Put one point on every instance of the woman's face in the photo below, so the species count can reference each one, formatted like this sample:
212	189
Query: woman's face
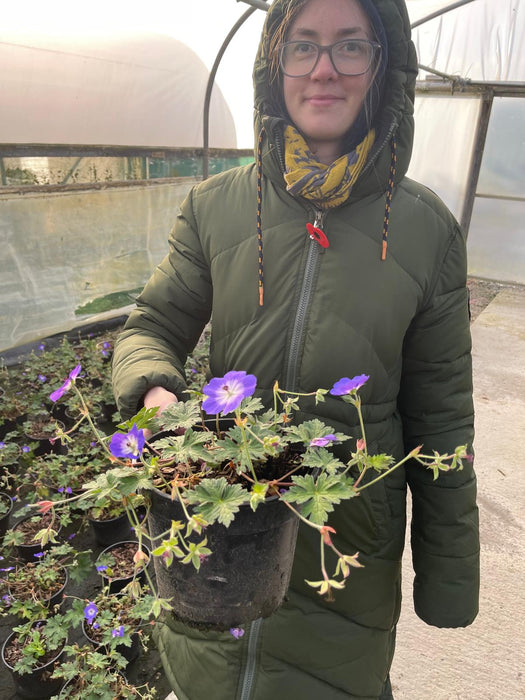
324	104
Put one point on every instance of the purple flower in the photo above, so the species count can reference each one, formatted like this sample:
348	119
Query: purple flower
41	346
224	394
55	395
68	489
39	554
26	449
72	535
42	378
323	441
106	345
101	568
96	625
90	612
104	353
9	568
347	386
2	445
127	445
236	632
119	632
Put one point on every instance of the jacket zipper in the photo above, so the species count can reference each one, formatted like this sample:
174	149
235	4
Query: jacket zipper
312	261
248	672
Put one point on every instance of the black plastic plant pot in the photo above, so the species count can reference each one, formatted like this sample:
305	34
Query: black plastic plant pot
27	552
4	519
107	532
38	683
117	583
129	653
52	599
245	577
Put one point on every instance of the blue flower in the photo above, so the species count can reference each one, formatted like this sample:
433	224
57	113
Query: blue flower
119	632
323	441
2	445
38	555
41	347
26	449
224	394
236	632
55	395
90	612
127	445
42	378
101	567
347	386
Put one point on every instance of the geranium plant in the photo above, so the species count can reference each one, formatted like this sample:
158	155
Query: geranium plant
213	470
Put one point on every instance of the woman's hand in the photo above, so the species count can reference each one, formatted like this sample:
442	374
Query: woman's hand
158	396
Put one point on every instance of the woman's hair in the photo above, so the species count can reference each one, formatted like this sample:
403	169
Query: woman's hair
277	107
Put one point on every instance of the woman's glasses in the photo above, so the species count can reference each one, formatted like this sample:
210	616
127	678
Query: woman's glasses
349	57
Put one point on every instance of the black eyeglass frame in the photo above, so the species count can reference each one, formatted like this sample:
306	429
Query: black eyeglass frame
328	48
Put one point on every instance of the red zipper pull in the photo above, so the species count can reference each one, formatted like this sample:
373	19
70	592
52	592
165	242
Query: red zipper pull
318	235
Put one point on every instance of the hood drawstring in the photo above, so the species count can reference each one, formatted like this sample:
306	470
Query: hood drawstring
259	216
389	193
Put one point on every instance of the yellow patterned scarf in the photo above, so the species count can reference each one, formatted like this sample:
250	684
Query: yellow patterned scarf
327	185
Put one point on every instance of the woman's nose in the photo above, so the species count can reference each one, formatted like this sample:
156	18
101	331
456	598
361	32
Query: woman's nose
324	68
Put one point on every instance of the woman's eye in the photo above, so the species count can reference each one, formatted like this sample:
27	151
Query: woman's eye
349	48
304	49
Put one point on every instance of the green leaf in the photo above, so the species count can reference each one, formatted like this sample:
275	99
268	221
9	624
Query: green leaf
310	429
258	494
379	462
321	458
317	497
143	419
183	414
216	500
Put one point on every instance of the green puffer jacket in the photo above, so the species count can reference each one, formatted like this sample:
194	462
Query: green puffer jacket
328	313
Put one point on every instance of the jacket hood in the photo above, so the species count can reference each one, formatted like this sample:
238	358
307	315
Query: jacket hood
394	116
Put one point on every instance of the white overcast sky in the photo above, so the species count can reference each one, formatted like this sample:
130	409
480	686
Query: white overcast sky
201	24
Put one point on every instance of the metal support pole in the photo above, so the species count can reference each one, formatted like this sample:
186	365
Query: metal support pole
211	79
438	13
477	158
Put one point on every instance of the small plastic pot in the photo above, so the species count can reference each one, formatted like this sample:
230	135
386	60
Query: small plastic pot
27	551
129	653
38	683
117	583
53	599
4	519
108	532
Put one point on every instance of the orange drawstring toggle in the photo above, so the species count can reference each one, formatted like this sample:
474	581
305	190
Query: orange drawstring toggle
317	235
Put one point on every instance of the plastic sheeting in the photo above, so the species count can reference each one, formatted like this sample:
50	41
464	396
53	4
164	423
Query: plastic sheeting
119	89
482	40
63	250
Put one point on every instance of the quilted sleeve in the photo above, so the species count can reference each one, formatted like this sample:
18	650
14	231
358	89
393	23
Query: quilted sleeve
437	411
170	315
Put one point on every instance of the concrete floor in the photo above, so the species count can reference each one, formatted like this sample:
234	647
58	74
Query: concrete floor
487	660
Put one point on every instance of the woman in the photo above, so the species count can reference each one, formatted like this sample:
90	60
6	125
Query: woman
322	261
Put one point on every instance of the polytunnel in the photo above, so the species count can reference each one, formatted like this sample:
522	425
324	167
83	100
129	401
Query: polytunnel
103	134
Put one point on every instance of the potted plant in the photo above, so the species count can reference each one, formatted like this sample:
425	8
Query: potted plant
34	588
92	675
115	621
123	563
31	653
35	531
208	488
